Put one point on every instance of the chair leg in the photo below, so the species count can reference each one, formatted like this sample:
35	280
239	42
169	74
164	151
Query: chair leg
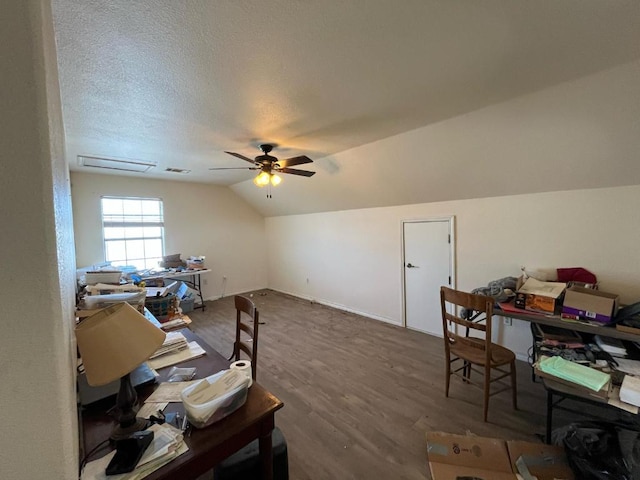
469	371
514	391
447	376
487	386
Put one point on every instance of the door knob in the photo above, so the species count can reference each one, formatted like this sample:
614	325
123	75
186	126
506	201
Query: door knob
411	266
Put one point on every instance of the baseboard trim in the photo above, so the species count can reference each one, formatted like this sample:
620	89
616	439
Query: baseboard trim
338	306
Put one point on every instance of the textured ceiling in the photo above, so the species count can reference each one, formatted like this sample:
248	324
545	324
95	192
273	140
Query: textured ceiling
180	82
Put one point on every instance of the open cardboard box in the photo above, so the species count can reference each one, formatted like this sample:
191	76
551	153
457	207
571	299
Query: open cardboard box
459	456
538	296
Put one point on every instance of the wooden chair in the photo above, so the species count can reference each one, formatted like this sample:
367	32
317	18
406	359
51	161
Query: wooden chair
247	320
473	350
245	463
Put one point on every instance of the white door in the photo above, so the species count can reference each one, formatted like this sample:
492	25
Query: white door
428	264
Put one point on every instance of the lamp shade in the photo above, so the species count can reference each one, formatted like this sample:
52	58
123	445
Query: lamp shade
114	341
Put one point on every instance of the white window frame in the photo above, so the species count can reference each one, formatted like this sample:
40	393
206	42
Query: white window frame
133	220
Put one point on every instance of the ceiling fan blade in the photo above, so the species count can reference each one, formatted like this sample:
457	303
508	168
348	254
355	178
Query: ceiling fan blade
295	171
235	168
290	162
241	157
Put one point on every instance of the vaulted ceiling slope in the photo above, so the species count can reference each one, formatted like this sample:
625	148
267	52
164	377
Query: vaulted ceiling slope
378	92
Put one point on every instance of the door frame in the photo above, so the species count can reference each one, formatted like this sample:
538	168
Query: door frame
451	219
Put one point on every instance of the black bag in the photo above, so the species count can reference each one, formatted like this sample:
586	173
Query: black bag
600	450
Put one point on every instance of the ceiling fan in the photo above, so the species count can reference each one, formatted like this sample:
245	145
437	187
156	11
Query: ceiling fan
269	166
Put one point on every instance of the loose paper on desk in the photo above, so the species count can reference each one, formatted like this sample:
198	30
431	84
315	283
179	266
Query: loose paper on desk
147	409
167	444
169	392
169	359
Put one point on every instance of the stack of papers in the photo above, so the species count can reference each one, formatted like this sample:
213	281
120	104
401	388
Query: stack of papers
167	444
193	351
175	323
174	342
613	346
630	390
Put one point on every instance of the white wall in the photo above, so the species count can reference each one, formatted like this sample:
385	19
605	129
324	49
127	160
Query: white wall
37	351
199	220
353	259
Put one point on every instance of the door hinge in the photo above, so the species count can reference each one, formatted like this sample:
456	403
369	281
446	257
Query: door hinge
449	279
449	238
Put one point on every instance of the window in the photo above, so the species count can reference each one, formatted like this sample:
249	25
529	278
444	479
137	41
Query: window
133	231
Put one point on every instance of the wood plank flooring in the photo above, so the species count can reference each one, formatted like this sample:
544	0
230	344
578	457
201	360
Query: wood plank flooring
359	395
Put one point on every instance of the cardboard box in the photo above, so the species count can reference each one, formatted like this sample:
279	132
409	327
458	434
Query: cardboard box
538	296
547	462
588	304
454	456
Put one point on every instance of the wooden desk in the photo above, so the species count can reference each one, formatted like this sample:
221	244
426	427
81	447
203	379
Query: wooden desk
207	446
558	389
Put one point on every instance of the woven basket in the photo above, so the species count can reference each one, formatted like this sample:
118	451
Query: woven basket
163	308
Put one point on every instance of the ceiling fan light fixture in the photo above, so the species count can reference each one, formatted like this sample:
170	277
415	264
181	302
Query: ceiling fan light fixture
262	179
275	179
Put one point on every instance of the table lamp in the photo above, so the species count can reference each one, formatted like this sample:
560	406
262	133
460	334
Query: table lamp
113	342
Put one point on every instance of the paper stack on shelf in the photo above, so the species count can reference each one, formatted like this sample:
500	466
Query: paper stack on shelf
630	390
167	444
174	342
613	346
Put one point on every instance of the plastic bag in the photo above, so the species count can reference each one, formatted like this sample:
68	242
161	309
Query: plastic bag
594	450
181	374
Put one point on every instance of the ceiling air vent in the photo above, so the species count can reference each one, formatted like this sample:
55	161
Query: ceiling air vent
115	164
177	170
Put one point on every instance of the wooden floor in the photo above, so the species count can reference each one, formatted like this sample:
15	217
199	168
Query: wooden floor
359	395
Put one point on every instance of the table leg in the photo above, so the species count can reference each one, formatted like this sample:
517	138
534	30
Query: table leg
197	283
266	455
549	416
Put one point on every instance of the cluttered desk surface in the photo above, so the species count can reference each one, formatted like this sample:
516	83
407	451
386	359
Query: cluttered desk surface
555	320
206	446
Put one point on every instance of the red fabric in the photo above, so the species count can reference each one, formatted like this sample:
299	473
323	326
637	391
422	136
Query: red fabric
576	274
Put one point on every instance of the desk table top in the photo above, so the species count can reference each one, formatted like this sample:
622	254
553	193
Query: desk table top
175	273
556	321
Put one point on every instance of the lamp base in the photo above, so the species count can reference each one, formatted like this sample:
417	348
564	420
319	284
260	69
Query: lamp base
119	432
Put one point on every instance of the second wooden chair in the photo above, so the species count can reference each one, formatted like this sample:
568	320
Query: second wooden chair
474	350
